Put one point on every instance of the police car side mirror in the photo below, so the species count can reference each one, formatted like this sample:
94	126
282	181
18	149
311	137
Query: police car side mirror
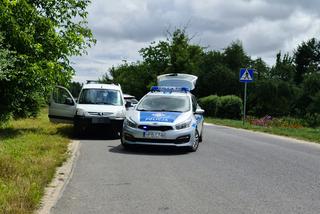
199	111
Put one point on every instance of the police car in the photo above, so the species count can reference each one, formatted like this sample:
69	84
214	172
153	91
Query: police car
168	115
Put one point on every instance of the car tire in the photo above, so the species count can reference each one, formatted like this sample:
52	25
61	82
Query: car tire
114	133
195	145
124	145
77	129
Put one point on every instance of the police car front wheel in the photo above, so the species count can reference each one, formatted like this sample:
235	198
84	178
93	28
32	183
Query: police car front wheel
195	144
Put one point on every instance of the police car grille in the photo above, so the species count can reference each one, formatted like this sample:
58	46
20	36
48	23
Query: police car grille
179	140
155	128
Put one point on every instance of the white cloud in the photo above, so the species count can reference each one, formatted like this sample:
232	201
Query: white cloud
264	26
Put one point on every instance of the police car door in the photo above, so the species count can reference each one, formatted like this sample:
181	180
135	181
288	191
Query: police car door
62	106
198	114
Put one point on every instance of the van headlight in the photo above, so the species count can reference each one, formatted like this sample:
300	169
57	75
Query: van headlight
120	114
130	123
183	125
80	112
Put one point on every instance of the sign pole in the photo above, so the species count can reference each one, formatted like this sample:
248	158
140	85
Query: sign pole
244	103
246	76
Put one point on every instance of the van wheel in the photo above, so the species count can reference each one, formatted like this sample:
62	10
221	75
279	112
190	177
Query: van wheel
77	129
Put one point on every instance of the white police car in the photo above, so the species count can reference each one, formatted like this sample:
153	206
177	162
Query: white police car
168	115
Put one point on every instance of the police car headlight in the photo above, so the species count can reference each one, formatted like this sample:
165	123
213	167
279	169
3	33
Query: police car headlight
183	125
130	123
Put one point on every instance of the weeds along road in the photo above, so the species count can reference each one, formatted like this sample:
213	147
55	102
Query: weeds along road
233	171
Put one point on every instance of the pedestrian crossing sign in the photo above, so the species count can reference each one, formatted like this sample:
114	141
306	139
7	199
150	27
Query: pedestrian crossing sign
246	75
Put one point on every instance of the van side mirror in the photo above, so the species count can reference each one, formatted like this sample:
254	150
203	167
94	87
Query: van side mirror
69	101
128	104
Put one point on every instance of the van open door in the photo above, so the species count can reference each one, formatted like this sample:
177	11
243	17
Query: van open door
177	80
62	106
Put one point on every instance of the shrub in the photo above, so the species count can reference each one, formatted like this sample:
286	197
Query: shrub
209	104
230	107
288	122
274	97
313	120
264	121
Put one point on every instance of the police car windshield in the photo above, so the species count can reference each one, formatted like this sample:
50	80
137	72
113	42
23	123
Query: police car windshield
100	96
164	103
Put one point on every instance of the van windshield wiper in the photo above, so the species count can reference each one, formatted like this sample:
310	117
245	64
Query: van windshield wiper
110	104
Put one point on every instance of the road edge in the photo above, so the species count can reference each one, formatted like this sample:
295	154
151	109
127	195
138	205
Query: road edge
296	140
63	174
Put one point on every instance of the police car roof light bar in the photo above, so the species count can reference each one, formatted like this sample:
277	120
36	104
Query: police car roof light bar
169	89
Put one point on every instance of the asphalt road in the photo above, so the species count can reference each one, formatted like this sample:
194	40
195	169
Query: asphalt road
233	171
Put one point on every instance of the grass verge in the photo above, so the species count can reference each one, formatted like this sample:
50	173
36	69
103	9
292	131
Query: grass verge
30	151
309	134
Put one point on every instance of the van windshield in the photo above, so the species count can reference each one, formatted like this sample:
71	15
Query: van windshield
100	96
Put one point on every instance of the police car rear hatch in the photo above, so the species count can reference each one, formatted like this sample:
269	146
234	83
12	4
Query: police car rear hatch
177	80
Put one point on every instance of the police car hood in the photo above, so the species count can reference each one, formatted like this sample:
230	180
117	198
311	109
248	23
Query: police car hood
158	117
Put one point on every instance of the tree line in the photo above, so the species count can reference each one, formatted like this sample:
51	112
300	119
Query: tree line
37	39
291	87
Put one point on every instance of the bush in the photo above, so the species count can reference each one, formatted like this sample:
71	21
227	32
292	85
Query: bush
223	107
313	120
288	122
273	97
209	104
230	107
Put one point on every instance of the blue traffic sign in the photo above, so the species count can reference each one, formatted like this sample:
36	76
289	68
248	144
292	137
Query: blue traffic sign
246	75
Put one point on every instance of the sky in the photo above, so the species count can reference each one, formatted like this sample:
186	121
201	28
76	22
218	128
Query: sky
264	27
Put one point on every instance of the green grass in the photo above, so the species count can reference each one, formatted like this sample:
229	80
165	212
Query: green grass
303	133
30	151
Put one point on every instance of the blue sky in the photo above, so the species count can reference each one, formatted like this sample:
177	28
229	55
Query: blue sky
265	27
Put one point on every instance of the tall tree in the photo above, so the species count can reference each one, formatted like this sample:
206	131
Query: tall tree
157	56
184	56
175	54
235	57
307	59
311	89
284	68
135	79
43	35
7	60
262	70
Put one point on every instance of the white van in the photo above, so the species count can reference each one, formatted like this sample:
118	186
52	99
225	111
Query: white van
97	105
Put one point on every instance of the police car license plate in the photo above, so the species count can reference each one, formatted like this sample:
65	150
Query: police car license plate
151	134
